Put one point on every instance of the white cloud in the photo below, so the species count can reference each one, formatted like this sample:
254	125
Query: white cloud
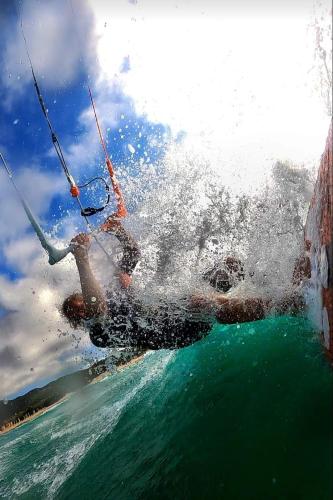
33	331
52	31
38	188
110	104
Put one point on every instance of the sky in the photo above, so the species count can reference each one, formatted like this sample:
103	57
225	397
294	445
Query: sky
238	81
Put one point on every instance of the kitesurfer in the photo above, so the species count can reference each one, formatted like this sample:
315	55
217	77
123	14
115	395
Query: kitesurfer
120	319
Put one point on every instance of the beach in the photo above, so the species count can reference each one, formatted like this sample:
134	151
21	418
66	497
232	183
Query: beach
37	414
40	412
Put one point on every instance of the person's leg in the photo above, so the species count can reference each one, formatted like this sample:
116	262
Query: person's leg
234	310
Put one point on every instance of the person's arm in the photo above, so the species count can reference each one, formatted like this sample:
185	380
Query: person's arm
292	303
234	310
131	251
229	310
93	296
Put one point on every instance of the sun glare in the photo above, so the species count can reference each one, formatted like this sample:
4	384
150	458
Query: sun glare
46	296
226	82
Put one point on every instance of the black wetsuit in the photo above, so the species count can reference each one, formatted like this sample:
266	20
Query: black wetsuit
130	324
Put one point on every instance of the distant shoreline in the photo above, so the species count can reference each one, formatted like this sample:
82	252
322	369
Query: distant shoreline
37	414
40	412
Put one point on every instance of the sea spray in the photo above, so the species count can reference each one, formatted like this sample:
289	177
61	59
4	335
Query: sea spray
195	216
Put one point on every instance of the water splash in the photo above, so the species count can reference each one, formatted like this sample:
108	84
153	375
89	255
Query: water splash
195	216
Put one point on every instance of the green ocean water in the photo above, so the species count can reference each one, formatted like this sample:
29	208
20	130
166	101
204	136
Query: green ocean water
244	414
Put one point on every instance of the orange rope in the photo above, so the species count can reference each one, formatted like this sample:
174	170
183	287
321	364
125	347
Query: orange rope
121	209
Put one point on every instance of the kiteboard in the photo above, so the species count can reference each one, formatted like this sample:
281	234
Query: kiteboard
319	245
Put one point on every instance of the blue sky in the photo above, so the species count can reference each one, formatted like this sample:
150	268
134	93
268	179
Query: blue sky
157	84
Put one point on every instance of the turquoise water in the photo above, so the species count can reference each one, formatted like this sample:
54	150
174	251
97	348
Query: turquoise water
244	414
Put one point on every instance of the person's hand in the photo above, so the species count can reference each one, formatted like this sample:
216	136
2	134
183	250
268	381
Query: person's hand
112	224
80	245
125	280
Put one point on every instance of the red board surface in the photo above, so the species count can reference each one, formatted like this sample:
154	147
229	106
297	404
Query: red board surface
319	234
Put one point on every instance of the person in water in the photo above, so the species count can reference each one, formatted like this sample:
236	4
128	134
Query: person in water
120	319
